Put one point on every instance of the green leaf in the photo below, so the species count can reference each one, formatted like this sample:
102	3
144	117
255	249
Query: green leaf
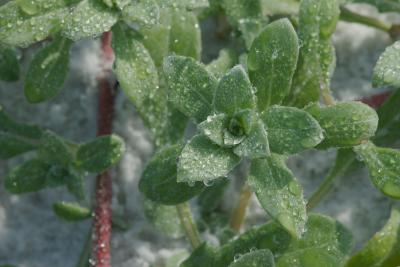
12	146
75	184
384	167
325	243
28	177
212	195
219	66
145	14
47	71
238	127
204	254
234	92
53	149
204	161
34	7
279	193
258	258
241	9
185	36
164	218
379	247
251	28
387	71
26	130
71	211
272	62
255	144
159	179
291	130
89	18
188	4
213	127
389	121
21	30
345	124
317	59
138	78
57	175
191	86
100	154
9	66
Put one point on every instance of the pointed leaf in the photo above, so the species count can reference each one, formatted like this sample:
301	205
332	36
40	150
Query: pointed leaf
272	62
213	127
47	71
11	146
317	58
9	66
326	243
279	193
387	70
53	149
380	246
89	18
345	124
234	92
159	179
191	86
255	144
201	160
28	177
219	66
100	154
185	37
71	211
384	167
258	258
291	130
138	77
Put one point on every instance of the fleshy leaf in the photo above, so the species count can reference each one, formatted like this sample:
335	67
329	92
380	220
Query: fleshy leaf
345	124
317	58
100	154
326	243
213	127
164	218
185	36
279	193
255	144
28	177
291	130
251	28
258	258
26	130
380	246
387	69
75	184
145	14
159	179
219	66
34	7
47	71
234	92
12	146
272	62
241	9
89	18
71	211
384	167
201	160
191	87
188	4
9	66
53	149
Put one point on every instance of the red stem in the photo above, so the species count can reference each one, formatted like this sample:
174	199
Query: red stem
375	101
101	256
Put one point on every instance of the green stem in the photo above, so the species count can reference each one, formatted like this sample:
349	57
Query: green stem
239	212
85	254
186	218
350	16
344	160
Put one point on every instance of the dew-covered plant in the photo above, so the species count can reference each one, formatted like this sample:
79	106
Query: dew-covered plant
265	98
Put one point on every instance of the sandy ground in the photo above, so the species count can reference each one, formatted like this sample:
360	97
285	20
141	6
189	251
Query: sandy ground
32	236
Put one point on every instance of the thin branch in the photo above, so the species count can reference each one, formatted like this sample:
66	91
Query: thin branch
350	16
186	218
239	212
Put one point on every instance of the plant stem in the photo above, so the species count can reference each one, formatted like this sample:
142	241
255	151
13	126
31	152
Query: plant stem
85	254
350	16
327	97
239	212
102	218
186	218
